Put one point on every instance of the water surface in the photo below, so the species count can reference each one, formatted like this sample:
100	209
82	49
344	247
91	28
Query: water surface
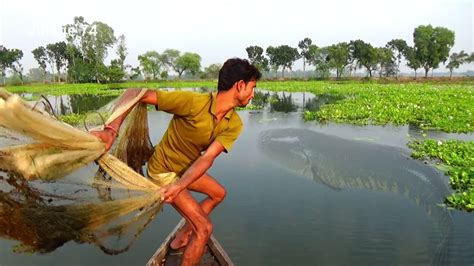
301	193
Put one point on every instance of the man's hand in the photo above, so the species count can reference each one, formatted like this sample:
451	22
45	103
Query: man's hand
169	193
107	136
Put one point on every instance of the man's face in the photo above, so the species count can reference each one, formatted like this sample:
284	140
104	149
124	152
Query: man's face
246	92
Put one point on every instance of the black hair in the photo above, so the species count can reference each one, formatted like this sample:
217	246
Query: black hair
236	69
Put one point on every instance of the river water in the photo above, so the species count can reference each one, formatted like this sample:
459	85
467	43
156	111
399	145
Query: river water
302	193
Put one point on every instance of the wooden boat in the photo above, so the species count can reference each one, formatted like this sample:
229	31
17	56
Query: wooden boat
213	255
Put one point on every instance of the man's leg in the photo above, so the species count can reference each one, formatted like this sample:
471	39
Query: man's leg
200	224
216	194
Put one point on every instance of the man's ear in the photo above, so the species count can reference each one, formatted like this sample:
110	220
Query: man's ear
240	85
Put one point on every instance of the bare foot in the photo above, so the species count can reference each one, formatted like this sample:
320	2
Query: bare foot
182	238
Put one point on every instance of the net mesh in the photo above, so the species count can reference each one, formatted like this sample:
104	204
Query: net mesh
57	150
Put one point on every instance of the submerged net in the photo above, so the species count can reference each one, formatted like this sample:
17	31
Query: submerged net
59	149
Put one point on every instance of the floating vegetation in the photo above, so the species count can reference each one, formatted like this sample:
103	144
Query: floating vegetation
446	107
457	159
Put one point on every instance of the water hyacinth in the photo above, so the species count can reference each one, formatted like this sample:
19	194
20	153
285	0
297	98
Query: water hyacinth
457	158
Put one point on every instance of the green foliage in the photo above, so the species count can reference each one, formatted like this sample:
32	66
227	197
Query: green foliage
338	57
114	73
211	72
282	56
256	57
320	60
398	47
9	58
169	57
121	52
386	61
87	45
73	119
456	60
189	62
57	56
40	56
151	63
458	159
365	54
432	45
305	51
446	108
82	71
412	59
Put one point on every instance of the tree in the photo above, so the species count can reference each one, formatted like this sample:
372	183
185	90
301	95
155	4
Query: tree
273	59
189	62
76	46
282	56
9	58
17	68
115	73
98	37
386	61
212	71
256	57
151	63
57	56
75	35
398	47
456	60
135	73
338	57
169	57
432	46
305	53
41	57
320	60
35	75
121	52
365	54
412	60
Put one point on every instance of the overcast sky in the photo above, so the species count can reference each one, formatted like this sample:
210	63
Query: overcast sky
220	29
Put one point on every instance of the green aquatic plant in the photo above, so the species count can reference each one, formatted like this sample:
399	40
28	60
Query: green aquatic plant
440	106
90	118
457	159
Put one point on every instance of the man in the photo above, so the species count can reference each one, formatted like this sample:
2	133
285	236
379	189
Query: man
203	126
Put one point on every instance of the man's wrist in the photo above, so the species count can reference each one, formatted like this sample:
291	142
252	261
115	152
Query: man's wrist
112	129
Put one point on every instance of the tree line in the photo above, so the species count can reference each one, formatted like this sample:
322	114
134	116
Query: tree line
431	47
80	58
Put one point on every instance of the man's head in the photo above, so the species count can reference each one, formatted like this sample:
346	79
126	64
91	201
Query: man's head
240	75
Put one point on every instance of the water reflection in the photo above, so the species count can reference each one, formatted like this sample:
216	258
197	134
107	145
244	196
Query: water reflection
291	102
41	220
342	164
74	103
283	103
315	103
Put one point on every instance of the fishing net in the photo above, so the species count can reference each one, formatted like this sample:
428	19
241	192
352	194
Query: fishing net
56	150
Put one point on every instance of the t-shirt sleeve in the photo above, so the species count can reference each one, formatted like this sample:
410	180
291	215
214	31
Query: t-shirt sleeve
175	102
228	137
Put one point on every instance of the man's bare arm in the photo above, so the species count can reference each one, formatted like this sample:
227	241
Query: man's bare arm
195	171
109	134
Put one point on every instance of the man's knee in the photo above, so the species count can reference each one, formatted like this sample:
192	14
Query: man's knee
219	194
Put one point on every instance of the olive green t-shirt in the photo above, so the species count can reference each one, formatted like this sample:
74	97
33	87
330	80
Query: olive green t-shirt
191	130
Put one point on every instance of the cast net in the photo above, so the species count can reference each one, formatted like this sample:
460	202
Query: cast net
48	182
